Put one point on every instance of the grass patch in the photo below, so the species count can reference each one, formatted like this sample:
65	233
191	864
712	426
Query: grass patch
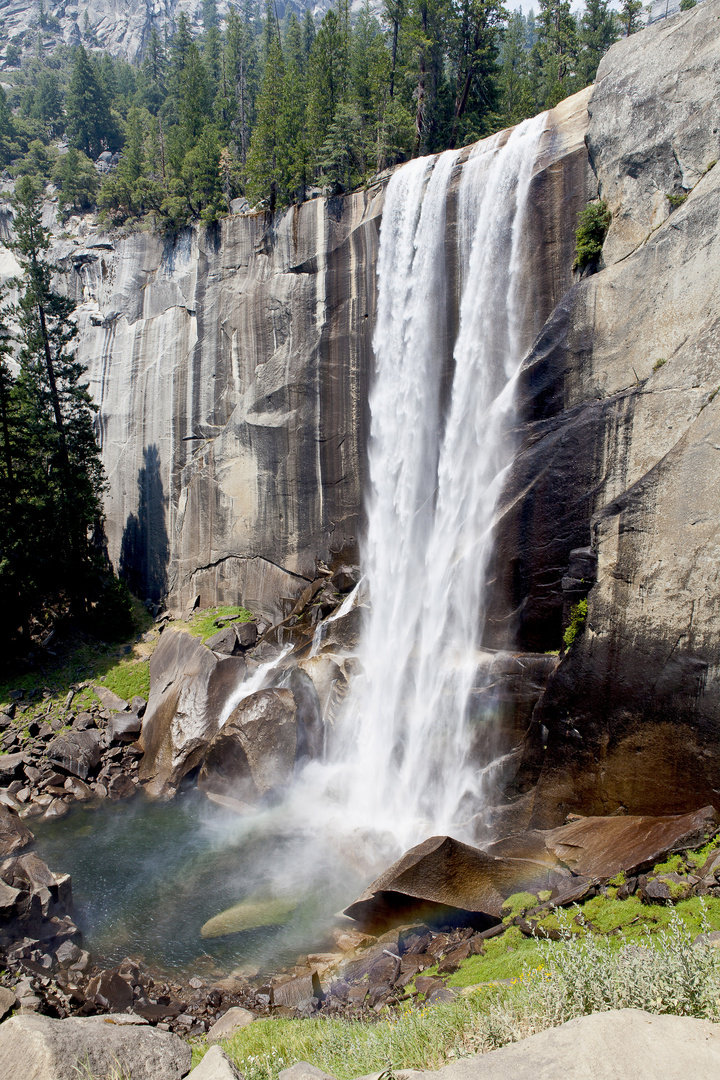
660	362
593	224
410	1038
675	864
128	678
505	957
78	660
204	623
700	857
517	904
675	199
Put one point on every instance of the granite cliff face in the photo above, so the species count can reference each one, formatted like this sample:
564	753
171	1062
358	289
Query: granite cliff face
620	454
230	368
120	27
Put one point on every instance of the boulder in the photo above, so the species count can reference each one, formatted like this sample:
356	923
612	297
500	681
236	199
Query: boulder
443	878
234	639
297	992
600	1047
345	578
14	836
110	991
303	1070
10	764
248	915
235	806
254	752
138	705
78	752
34	1047
78	789
216	1065
7	1001
233	1020
123	727
247	634
342	632
189	686
110	700
330	674
225	642
601	847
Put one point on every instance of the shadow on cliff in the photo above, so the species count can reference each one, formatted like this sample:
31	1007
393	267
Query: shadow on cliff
145	549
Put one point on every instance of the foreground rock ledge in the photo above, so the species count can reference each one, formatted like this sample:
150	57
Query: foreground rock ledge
40	1048
612	1045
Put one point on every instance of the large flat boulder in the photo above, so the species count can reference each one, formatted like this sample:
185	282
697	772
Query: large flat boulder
443	878
254	752
189	686
599	847
34	1047
603	1046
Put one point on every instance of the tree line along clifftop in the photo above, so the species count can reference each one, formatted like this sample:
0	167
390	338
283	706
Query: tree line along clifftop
274	110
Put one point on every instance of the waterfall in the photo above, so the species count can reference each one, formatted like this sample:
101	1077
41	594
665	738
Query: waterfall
401	755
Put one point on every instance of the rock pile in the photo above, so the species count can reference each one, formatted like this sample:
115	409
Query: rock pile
94	753
37	933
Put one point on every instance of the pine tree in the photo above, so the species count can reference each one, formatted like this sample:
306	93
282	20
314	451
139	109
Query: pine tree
308	32
394	12
212	45
195	98
557	49
241	72
47	103
202	178
478	26
265	177
597	33
515	88
153	74
78	181
369	65
630	16
61	476
292	128
328	76
88	114
7	129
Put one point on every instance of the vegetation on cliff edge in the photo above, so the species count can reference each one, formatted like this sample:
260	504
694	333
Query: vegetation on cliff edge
274	110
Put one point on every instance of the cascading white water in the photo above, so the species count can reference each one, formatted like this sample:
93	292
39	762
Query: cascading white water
401	751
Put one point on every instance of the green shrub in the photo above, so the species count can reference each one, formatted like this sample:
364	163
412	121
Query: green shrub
674	199
659	363
578	615
593	224
685	5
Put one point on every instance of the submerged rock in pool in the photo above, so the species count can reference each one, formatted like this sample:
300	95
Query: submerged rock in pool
249	915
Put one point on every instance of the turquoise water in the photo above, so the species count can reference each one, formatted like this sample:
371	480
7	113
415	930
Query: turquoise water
146	877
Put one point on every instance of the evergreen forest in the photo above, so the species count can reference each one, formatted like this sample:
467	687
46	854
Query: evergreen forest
275	111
